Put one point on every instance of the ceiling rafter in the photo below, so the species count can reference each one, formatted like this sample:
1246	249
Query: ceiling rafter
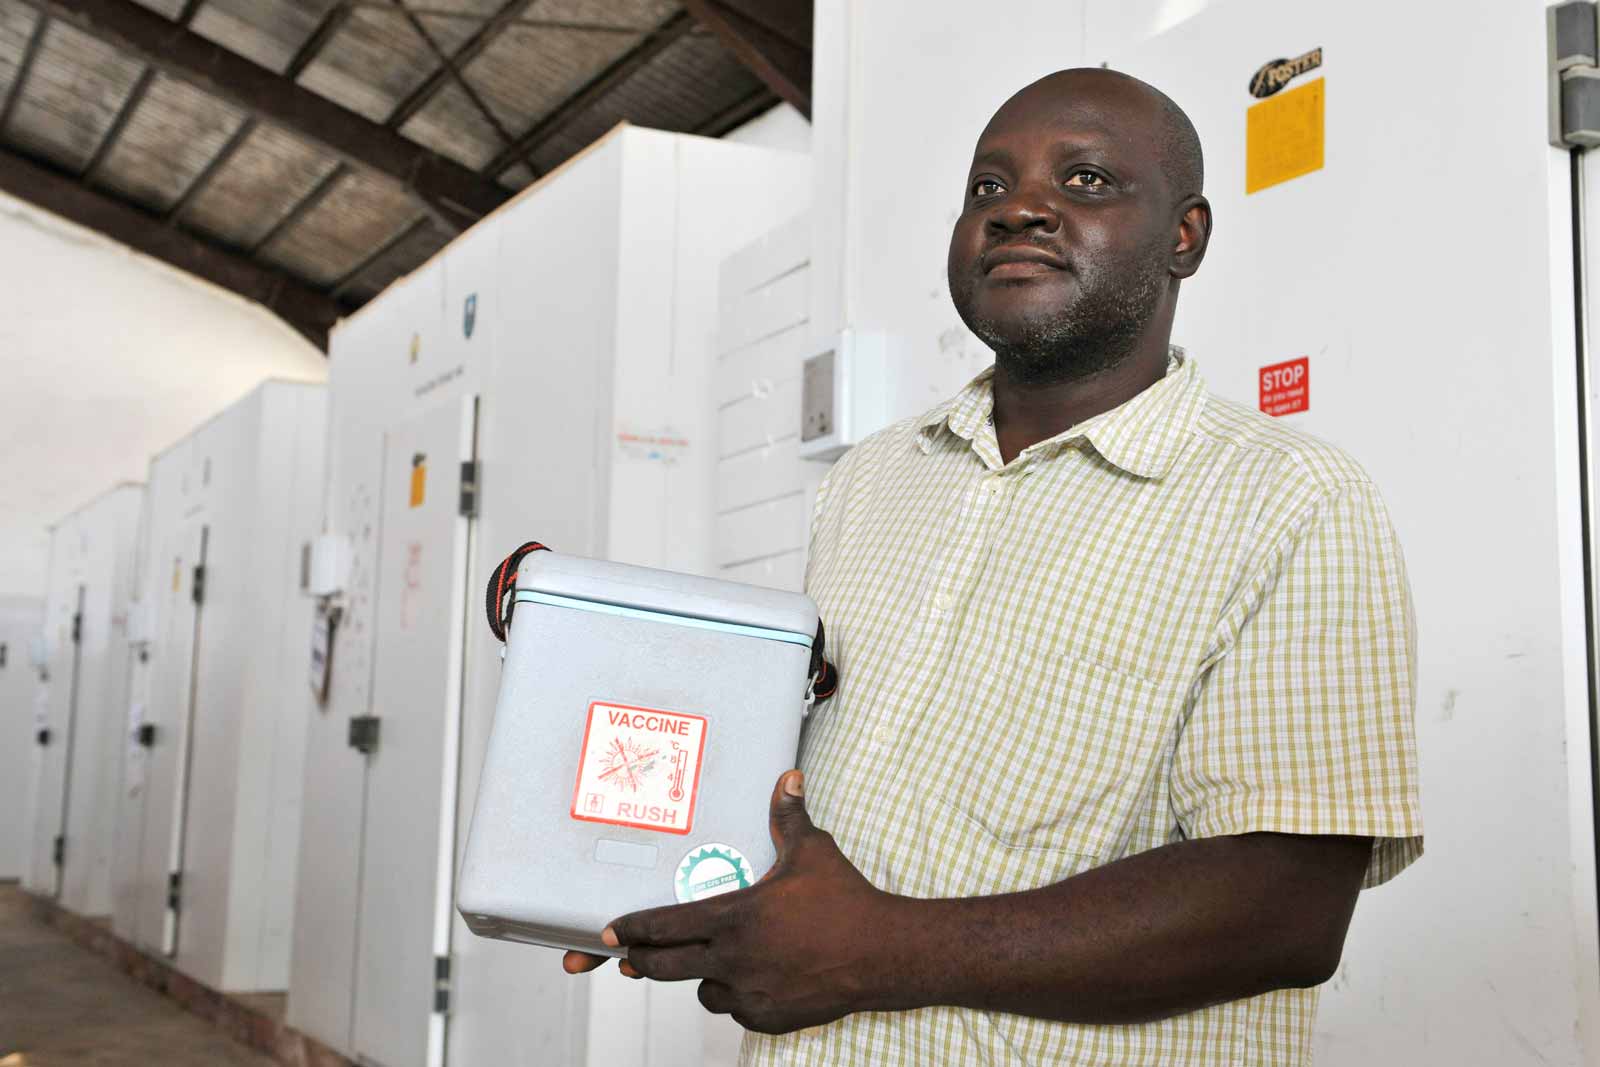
448	191
738	113
108	140
470	49
331	23
30	55
452	71
357	272
302	207
624	67
770	54
310	312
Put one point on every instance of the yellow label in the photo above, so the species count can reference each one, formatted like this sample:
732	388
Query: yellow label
1283	137
177	574
419	482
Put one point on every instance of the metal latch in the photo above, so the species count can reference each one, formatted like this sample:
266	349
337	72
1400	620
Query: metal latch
441	983
174	889
364	733
469	489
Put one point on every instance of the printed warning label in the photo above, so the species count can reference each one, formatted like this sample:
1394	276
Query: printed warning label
1286	387
639	767
1284	137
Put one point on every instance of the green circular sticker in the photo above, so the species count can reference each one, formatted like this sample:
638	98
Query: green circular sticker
710	871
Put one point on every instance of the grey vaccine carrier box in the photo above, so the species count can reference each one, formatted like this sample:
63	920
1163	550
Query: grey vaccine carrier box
643	720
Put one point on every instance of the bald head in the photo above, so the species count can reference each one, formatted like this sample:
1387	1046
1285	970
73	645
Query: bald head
1083	213
1138	108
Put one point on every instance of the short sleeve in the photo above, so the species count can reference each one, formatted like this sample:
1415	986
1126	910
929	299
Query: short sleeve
1303	723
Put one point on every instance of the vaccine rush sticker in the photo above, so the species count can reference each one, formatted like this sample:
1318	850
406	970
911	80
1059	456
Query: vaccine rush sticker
639	767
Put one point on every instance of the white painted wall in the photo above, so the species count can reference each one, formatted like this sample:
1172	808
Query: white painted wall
21	619
108	356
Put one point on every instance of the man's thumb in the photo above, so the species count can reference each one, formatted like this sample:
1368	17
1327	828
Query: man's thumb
789	820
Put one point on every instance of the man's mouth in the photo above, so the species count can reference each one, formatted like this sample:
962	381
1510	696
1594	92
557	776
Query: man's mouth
1021	261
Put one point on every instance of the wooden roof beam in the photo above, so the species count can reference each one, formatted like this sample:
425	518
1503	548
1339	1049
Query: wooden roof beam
592	92
450	193
762	34
308	311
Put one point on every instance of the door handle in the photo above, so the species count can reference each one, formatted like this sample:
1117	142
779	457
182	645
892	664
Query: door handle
363	735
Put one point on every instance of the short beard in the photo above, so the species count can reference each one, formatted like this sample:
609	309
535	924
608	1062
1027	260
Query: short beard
1097	332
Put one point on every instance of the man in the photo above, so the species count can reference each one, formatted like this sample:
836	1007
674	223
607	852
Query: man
1124	720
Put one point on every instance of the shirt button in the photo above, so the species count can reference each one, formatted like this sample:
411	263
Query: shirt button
941	602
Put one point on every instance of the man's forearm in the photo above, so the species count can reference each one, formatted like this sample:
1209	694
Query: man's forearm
1151	936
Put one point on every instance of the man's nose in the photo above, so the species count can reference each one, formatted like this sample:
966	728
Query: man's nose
1024	211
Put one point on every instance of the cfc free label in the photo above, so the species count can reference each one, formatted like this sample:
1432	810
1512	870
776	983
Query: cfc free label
1286	387
639	767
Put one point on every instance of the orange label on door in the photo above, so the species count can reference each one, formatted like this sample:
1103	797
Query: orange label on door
419	479
1283	137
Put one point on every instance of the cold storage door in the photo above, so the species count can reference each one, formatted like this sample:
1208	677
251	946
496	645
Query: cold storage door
409	829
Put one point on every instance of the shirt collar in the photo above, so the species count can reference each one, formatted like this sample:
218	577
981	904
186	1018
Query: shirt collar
1141	436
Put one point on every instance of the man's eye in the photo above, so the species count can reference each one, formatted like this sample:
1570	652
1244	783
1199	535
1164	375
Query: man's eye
986	187
1086	179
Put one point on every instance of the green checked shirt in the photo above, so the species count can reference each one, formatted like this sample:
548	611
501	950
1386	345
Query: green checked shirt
1179	619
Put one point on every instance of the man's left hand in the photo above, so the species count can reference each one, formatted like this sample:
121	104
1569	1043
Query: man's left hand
802	947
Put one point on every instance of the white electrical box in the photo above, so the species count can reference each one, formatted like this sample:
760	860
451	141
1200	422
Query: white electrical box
328	568
545	376
843	395
212	735
76	739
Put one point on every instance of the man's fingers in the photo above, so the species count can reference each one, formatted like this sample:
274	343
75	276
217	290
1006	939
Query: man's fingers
581	962
788	820
675	924
676	964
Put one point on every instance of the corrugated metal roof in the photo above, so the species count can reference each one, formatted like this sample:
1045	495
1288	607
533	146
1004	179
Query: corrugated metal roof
169	147
528	71
358	216
692	80
169	139
271	172
76	87
267	31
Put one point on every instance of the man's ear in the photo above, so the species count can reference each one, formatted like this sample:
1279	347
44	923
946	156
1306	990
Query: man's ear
1194	235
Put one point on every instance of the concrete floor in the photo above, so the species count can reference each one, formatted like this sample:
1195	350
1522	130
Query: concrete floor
61	1005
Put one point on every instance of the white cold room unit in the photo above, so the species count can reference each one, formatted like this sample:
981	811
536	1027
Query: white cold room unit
215	731
79	713
21	630
1392	269
546	376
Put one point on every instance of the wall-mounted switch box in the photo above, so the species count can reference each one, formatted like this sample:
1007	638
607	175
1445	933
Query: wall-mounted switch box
329	565
843	395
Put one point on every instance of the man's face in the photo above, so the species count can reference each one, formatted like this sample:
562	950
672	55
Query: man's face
1061	254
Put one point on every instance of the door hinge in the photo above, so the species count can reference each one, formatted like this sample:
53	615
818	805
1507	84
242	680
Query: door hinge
199	592
441	983
1573	74
59	852
174	890
363	735
77	628
469	489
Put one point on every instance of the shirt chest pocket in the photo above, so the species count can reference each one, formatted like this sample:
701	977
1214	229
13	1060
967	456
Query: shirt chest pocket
1069	758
